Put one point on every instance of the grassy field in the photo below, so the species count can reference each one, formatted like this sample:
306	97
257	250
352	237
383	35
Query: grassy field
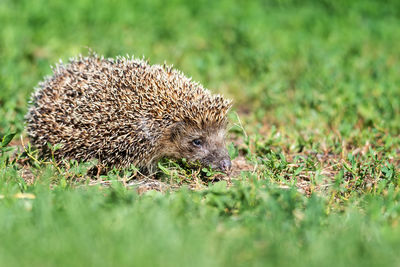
315	137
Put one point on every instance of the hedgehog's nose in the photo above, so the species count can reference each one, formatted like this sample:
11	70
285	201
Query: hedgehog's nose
226	165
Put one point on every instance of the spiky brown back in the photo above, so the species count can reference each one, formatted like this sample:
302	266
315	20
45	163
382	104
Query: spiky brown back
117	110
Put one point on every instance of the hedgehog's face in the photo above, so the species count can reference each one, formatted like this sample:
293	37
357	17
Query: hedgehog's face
197	145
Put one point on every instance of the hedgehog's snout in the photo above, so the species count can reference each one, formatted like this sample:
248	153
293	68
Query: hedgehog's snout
218	161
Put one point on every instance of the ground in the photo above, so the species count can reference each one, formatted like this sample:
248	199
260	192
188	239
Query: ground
314	136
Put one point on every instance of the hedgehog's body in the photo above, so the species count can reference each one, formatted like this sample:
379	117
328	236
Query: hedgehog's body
124	112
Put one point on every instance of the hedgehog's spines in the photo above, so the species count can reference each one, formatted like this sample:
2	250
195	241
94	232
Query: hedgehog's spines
117	110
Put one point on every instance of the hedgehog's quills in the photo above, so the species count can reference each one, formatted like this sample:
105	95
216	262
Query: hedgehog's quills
126	112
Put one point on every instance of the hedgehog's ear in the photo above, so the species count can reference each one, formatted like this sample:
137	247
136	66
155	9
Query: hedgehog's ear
176	130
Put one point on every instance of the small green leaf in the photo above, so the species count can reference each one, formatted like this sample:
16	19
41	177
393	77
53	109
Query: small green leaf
7	139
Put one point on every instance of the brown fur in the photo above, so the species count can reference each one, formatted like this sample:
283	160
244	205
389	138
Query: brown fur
124	111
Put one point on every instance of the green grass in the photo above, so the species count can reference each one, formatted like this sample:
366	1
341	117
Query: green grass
315	136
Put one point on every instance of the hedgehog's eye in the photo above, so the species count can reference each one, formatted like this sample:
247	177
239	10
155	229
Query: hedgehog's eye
197	142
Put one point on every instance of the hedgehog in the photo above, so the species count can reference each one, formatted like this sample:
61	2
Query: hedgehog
123	111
